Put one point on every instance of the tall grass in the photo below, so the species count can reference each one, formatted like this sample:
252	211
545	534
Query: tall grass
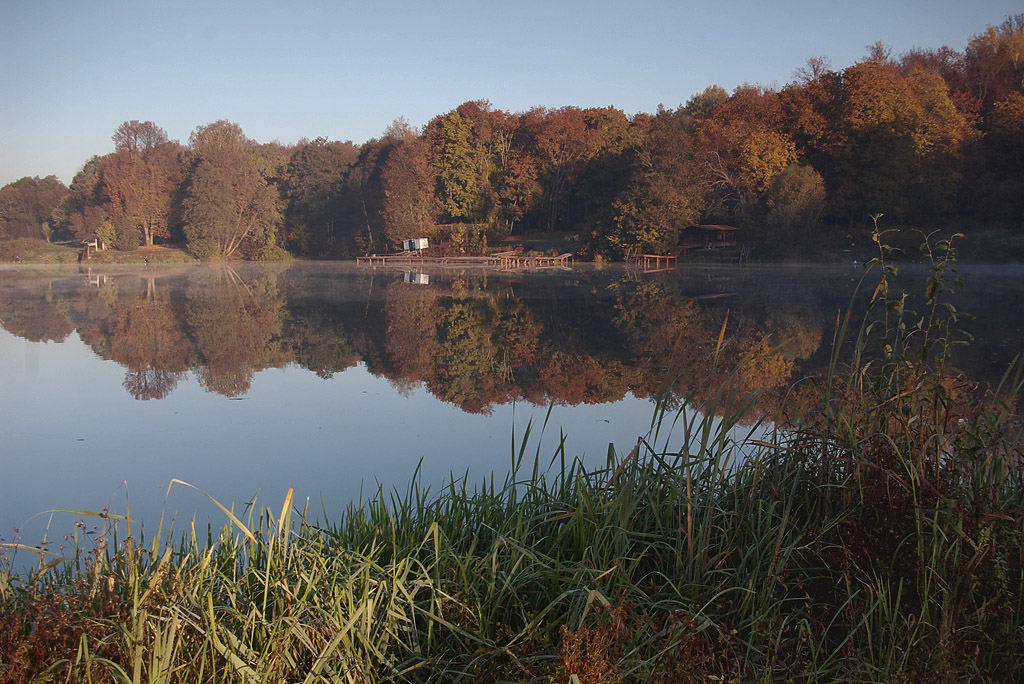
870	532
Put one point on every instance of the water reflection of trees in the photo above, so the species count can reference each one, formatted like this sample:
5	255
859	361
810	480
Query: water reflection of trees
234	324
30	311
473	341
148	340
477	345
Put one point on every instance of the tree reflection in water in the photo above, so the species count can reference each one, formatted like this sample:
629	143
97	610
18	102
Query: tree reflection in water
148	340
234	326
473	339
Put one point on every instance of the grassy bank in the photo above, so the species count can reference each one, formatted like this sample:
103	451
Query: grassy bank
876	533
32	251
154	255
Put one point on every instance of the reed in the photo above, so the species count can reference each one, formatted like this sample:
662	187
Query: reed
870	532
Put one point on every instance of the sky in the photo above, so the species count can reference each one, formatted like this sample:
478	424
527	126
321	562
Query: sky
71	72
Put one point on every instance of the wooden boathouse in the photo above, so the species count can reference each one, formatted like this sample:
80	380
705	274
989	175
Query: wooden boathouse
709	236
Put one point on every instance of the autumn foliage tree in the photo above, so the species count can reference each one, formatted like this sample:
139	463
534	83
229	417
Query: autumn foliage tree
1000	179
515	178
27	206
994	61
795	199
141	178
410	207
84	212
661	197
562	144
361	205
741	146
894	131
460	166
316	175
229	208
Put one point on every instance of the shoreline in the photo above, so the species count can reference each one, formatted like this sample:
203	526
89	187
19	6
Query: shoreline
981	247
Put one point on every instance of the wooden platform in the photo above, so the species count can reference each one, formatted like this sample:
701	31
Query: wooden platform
504	260
656	260
515	260
652	263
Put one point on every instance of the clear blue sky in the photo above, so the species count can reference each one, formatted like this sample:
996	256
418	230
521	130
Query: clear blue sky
72	71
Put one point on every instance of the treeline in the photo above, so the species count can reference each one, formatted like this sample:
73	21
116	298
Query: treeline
930	136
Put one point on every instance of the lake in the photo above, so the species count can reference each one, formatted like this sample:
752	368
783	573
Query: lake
335	379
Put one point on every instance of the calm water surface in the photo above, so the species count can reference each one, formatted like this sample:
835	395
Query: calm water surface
336	380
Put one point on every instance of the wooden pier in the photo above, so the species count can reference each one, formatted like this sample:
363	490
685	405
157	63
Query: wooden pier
515	260
652	263
655	260
505	260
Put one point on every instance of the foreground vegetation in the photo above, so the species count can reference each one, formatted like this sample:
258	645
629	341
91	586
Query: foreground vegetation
874	531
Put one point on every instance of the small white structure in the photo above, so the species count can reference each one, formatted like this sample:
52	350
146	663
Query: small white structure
417	278
415	244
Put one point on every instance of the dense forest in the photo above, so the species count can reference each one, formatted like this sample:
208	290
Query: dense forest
929	137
